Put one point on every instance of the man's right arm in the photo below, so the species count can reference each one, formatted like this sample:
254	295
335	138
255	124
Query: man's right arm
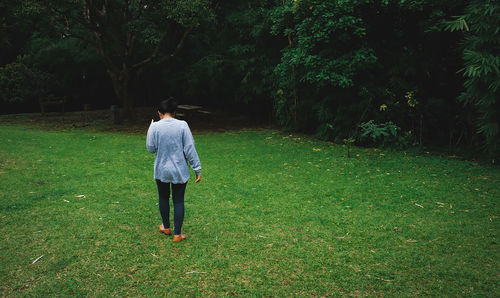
151	144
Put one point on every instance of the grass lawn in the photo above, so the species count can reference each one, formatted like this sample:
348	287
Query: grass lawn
274	215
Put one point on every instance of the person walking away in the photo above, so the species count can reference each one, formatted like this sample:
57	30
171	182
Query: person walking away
172	143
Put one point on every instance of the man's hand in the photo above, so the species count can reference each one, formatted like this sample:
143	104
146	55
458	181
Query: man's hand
198	178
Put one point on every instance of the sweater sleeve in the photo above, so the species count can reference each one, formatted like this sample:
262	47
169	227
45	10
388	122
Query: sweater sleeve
151	142
189	150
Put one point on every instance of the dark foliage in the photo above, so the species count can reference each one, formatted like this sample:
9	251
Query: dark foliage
338	69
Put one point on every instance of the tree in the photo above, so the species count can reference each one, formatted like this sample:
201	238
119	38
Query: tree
344	60
129	35
325	55
21	82
481	56
240	58
232	60
14	30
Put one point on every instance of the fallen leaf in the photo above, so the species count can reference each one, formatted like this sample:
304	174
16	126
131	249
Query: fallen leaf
195	272
80	196
37	259
343	237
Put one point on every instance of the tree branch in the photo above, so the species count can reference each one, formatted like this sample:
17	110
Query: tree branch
153	55
61	24
181	42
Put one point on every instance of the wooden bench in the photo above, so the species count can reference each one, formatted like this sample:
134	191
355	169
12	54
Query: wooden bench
188	110
52	101
204	112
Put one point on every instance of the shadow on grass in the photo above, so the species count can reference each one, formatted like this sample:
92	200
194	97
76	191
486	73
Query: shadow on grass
102	121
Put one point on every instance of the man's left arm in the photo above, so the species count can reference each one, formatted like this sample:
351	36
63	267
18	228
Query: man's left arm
190	151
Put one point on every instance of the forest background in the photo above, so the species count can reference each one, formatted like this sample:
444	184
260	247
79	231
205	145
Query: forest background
375	73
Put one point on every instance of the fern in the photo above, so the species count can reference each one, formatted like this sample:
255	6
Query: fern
459	24
481	55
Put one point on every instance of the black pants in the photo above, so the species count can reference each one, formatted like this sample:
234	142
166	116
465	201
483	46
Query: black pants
178	191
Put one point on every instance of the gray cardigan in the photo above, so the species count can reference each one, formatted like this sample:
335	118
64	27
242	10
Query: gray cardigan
173	143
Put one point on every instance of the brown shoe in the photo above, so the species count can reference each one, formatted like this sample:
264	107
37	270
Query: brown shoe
166	231
180	237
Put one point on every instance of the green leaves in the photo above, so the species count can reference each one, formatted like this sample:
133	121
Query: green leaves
481	55
374	131
481	63
326	51
21	82
459	24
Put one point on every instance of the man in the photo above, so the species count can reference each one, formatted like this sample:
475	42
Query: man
172	142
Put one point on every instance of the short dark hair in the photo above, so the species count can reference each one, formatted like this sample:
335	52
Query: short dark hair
168	106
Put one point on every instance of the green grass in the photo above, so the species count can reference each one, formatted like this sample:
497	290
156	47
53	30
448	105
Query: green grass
274	215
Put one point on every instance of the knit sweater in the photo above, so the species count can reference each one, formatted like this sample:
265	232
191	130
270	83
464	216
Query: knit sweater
172	142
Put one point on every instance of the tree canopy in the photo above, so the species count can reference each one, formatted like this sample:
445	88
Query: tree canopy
127	35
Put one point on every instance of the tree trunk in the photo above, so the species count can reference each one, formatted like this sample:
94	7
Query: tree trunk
122	85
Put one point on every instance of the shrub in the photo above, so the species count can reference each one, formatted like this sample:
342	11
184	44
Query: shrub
379	134
19	82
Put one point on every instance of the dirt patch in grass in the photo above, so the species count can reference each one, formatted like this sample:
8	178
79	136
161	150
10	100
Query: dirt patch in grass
215	120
